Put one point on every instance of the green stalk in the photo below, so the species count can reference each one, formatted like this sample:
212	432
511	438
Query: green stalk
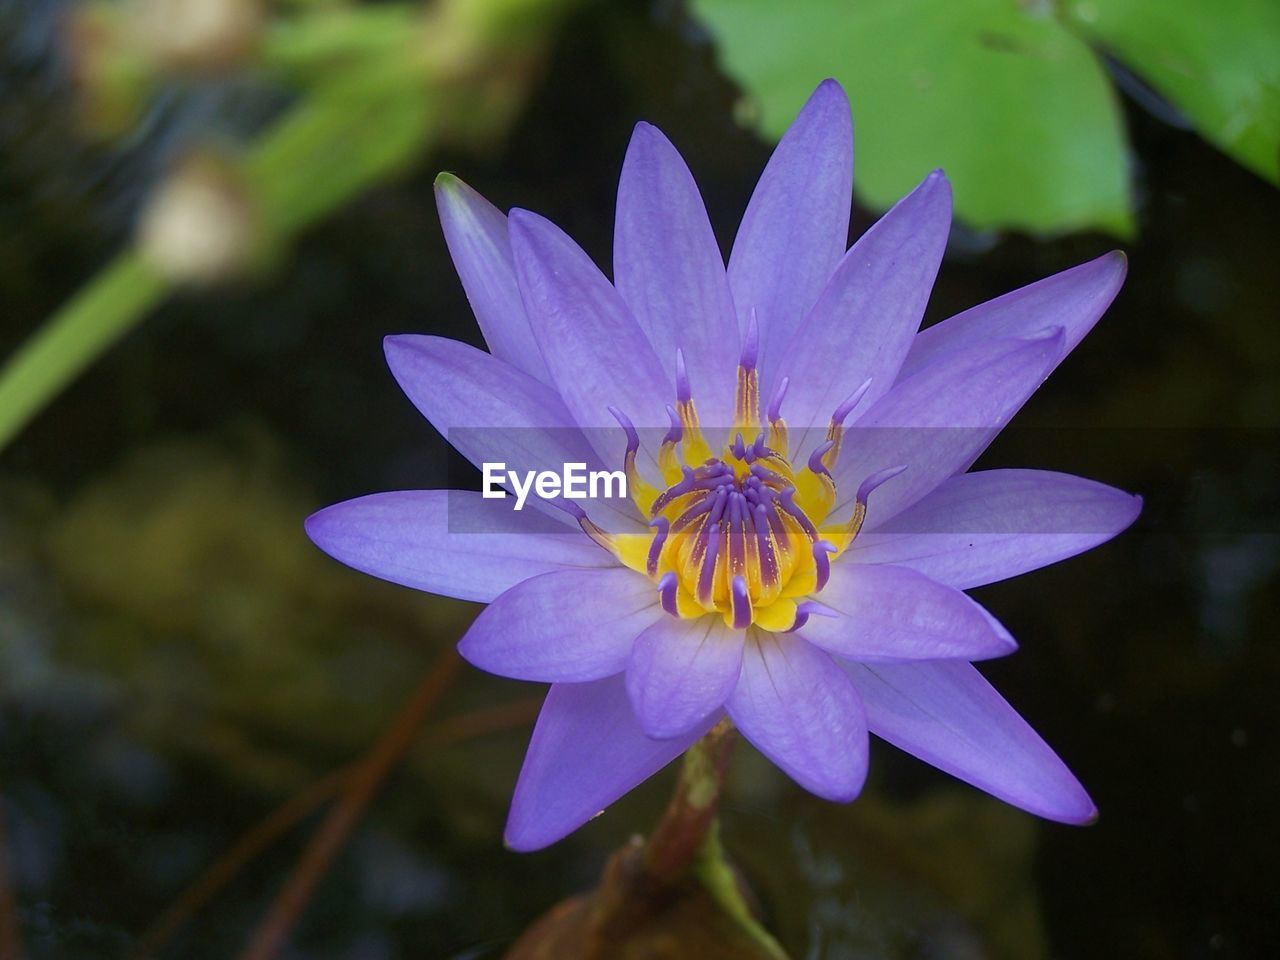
114	301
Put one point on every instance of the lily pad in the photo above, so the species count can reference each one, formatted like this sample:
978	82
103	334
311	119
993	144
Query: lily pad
1012	103
1218	63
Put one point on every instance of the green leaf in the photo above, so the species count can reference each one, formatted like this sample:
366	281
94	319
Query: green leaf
1010	102
1218	62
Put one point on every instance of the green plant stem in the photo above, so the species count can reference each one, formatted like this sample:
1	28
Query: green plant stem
113	302
715	874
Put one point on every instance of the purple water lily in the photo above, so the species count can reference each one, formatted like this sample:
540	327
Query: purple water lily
801	528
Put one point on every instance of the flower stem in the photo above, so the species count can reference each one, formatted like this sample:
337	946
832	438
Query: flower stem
114	301
672	895
690	815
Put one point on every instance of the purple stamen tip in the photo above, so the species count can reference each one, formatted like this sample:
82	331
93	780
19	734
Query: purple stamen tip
739	448
741	603
855	398
822	560
775	405
663	526
751	346
815	459
875	480
633	438
676	433
667	593
807	609
569	507
684	393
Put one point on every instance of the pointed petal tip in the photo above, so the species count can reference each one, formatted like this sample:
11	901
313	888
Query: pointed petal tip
936	184
830	87
518	216
315	526
644	130
1078	811
1112	266
448	181
522	839
1118	260
397	346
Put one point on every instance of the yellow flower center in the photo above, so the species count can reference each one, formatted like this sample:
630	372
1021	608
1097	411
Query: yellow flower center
740	533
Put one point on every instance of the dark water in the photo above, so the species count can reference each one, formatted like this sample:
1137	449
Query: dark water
176	660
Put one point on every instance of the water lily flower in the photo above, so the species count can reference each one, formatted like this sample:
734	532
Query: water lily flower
800	523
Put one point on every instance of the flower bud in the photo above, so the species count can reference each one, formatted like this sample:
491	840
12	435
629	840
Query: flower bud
197	35
201	225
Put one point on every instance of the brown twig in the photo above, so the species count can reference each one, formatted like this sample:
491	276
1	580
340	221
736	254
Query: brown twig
283	914
477	723
297	808
243	852
10	929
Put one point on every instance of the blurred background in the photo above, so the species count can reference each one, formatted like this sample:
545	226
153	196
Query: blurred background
211	211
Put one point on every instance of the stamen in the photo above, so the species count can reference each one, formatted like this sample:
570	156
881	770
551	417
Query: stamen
663	526
787	502
764	547
835	430
868	486
674	491
775	405
709	540
822	560
815	459
695	447
777	426
684	393
865	489
601	538
852	401
806	609
642	492
751	346
667	587
747	399
741	604
668	462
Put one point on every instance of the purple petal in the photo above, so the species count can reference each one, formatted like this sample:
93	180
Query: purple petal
681	671
796	226
668	268
801	711
563	627
947	714
492	413
893	613
867	316
476	234
939	421
587	751
977	528
597	354
405	538
1073	300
